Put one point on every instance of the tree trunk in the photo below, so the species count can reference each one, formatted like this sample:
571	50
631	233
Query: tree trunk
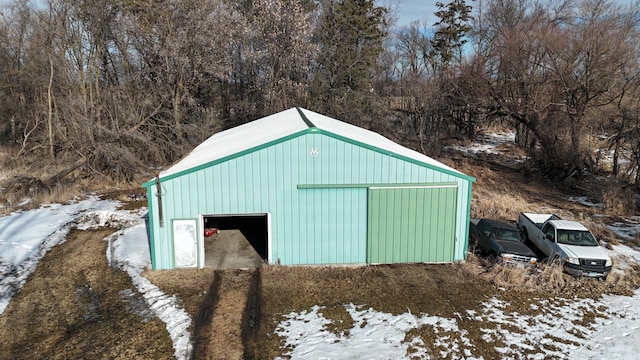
177	111
575	137
56	178
50	108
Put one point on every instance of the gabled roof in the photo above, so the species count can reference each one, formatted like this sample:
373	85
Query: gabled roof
285	125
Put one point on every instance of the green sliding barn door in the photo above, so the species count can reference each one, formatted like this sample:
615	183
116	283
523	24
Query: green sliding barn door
411	224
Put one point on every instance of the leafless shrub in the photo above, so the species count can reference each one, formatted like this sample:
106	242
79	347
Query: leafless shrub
619	200
550	277
600	231
509	276
500	205
115	161
18	187
503	275
474	265
624	282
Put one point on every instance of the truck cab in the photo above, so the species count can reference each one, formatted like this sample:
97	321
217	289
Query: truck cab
500	241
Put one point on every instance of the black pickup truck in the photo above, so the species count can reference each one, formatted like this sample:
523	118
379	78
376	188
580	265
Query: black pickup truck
500	241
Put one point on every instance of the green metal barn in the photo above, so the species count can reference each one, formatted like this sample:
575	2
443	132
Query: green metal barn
313	190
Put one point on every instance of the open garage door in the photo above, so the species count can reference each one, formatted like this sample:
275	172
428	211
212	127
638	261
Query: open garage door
241	241
411	224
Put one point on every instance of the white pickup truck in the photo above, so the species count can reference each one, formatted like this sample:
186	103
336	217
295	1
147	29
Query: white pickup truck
569	241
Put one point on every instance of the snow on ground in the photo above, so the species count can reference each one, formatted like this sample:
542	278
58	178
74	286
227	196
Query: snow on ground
557	331
373	332
630	229
618	336
492	143
129	249
25	237
585	201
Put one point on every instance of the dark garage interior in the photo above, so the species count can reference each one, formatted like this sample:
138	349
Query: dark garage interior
253	227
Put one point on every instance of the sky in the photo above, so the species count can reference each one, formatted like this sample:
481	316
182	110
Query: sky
614	334
417	10
423	10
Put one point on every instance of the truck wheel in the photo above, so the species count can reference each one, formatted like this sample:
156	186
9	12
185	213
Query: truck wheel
525	236
493	257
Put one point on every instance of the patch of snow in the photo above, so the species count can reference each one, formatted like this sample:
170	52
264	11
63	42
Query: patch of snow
557	331
606	156
373	332
129	250
617	336
622	256
26	236
491	143
585	201
629	229
532	331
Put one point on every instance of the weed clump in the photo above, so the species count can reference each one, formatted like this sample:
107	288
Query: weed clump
618	199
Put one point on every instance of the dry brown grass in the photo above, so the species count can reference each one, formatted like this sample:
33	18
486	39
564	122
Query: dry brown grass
550	280
502	275
439	290
623	282
24	184
192	286
76	306
601	231
502	193
619	199
218	302
132	196
225	333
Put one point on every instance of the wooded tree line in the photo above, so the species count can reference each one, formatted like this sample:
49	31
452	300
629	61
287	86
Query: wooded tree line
123	85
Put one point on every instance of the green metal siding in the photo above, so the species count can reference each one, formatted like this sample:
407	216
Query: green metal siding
411	225
323	233
309	226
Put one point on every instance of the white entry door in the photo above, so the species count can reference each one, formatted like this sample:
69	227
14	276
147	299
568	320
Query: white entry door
185	243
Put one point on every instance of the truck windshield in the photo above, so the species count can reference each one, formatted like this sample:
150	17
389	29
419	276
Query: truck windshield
507	234
575	237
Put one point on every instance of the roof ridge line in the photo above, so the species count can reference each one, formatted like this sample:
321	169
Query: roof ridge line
305	118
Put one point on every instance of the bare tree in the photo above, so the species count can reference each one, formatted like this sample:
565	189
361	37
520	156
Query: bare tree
262	79
284	27
180	43
413	45
16	86
117	84
587	57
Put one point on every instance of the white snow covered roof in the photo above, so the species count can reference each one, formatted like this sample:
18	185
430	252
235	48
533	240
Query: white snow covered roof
282	124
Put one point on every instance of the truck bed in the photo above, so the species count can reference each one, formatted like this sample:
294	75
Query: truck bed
539	219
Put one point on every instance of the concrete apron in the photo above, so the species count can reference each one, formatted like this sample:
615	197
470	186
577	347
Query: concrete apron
229	249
